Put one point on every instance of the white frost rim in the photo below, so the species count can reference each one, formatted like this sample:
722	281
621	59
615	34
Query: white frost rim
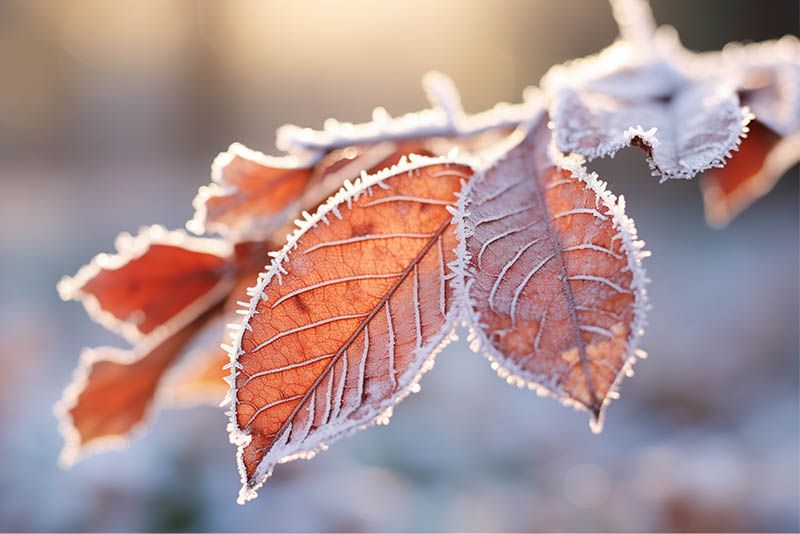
199	223
446	117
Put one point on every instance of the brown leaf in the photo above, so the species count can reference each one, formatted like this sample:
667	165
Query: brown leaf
250	195
199	376
152	278
112	390
346	319
763	157
164	278
552	274
348	163
253	195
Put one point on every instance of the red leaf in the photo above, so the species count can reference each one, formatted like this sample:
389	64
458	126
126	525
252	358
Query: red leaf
763	157
199	377
552	274
112	390
346	319
250	195
151	279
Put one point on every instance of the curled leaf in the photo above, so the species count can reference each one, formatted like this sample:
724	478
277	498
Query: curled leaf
165	279
112	390
153	277
627	96
251	194
551	274
347	318
763	158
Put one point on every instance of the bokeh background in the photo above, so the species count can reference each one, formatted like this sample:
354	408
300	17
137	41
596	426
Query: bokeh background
110	115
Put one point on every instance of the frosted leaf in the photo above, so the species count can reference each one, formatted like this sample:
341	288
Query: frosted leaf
112	392
164	291
153	277
250	194
347	318
550	273
693	131
628	96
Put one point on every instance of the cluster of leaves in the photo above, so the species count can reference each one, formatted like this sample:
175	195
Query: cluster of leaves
420	223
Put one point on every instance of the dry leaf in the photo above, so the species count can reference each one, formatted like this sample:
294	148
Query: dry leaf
347	318
688	111
251	194
762	159
112	390
552	274
175	285
152	278
643	96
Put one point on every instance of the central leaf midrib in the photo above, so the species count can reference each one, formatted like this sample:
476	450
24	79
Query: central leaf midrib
557	247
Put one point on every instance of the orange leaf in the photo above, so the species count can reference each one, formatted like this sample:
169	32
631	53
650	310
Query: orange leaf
112	389
552	273
347	318
763	157
350	162
152	278
199	377
250	195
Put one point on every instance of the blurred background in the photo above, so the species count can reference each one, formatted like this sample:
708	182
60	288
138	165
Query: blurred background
110	115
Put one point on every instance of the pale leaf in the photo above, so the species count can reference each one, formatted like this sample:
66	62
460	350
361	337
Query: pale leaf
551	274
